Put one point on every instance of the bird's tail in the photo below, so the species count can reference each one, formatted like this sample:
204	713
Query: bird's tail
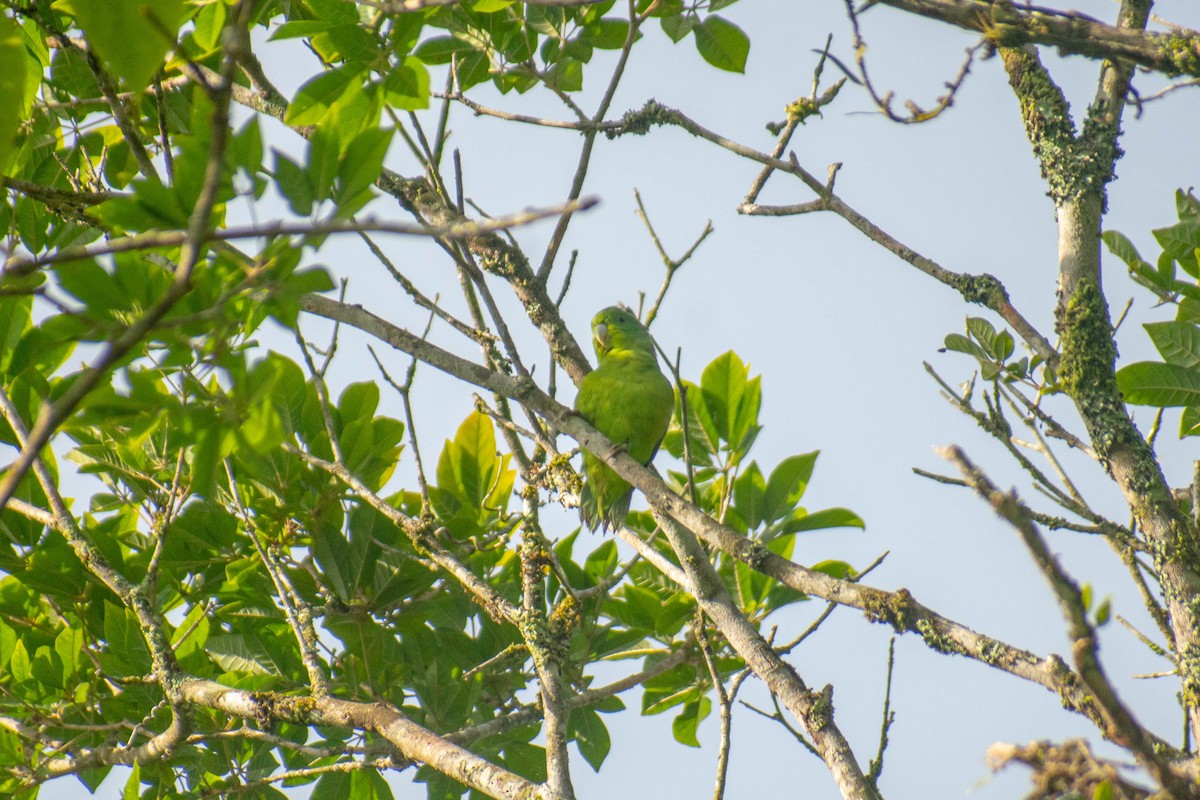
596	518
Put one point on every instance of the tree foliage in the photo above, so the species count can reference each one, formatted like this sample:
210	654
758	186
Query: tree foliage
229	573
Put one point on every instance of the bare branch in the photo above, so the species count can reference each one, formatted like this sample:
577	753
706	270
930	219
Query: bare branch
672	264
985	290
1120	724
813	709
898	609
155	239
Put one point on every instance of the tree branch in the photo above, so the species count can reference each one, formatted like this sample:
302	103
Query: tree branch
985	290
813	709
1120	724
1069	32
898	609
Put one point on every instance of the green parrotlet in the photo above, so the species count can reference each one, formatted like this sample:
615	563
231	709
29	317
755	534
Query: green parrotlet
628	400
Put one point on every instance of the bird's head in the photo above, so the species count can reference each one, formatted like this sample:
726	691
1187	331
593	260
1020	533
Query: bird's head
617	331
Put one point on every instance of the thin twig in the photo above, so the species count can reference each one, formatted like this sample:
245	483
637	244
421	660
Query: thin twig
875	769
672	264
156	239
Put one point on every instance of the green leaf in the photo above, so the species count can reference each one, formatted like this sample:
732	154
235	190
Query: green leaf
660	8
687	723
787	485
826	518
982	331
247	145
406	30
69	647
332	786
89	283
13	108
20	665
237	653
363	162
749	495
606	34
1003	346
48	668
1164	272
958	343
591	736
15	318
468	465
722	384
126	648
678	26
1181	241
722	44
209	22
130	36
602	562
745	421
358	401
701	429
674	614
1177	342
1187	206
133	785
314	99
406	86
441	49
642	606
1149	383
835	569
351	561
527	760
191	636
566	74
349	42
1189	421
294	183
323	158
1120	246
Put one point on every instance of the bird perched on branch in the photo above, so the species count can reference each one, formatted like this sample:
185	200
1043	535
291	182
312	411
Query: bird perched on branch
628	400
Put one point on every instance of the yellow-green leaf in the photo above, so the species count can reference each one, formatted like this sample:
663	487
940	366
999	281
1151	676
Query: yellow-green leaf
12	86
130	36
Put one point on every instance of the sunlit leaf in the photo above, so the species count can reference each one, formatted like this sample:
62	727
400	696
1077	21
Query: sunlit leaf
722	44
1149	383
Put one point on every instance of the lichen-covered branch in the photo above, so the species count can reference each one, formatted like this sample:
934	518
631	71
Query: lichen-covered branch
898	609
412	740
1120	724
547	644
1008	24
1077	168
813	709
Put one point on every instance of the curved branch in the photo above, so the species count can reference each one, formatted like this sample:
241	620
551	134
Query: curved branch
1069	32
1120	724
985	290
813	709
415	742
898	609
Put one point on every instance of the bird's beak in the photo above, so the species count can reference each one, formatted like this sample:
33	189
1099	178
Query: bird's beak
602	335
